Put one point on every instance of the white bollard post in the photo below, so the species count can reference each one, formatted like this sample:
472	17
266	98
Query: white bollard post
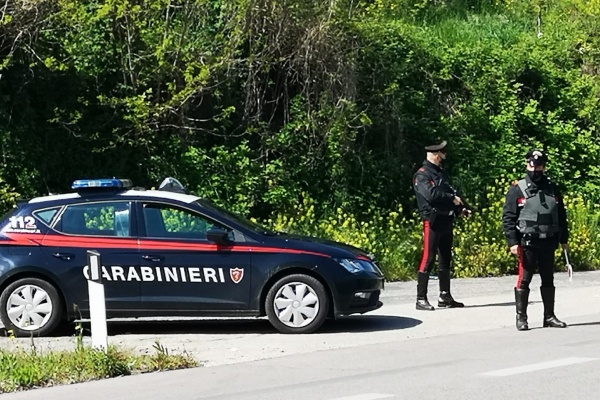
97	302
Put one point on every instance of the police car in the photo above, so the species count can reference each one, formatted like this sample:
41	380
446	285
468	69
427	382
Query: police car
168	253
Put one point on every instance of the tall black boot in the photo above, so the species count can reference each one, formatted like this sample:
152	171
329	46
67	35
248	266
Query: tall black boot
550	320
522	300
446	300
422	302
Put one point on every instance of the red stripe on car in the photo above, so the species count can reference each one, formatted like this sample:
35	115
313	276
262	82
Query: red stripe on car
57	240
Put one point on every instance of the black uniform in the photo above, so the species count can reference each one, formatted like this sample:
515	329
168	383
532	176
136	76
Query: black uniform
534	251
534	218
435	201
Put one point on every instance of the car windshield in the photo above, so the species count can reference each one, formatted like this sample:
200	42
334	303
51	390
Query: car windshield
246	223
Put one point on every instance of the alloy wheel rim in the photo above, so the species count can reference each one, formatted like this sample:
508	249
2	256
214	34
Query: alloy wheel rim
29	307
296	304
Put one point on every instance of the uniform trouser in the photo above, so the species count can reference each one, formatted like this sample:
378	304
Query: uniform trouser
531	259
437	240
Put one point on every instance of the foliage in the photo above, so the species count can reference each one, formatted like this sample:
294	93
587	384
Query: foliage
27	369
479	250
7	196
584	241
260	105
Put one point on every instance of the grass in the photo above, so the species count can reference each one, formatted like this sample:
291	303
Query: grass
29	369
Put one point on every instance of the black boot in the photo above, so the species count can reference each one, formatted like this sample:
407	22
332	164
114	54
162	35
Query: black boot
446	301
423	304
422	282
550	320
521	300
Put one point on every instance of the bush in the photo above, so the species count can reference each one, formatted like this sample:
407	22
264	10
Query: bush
480	249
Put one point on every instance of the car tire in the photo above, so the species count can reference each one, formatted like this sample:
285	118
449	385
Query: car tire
30	306
297	304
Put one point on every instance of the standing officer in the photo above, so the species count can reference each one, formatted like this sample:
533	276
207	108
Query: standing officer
534	222
438	203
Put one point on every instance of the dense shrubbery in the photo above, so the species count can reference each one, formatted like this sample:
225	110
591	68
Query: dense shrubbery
264	104
480	248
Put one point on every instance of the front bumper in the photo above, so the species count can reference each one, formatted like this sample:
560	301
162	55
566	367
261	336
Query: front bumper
359	297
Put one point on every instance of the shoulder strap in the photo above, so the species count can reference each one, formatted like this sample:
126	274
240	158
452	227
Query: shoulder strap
523	186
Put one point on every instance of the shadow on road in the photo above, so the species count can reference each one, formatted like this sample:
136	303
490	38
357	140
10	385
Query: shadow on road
505	304
584	324
363	323
369	323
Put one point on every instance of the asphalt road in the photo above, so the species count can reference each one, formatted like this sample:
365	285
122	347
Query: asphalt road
396	352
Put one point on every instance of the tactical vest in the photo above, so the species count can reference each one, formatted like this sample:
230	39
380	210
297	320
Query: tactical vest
539	216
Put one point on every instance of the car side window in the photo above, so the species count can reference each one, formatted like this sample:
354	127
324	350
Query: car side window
166	221
96	219
47	215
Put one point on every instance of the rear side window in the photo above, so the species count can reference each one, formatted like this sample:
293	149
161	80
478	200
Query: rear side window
97	219
47	215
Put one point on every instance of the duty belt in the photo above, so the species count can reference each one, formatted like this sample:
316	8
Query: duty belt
538	235
445	213
435	213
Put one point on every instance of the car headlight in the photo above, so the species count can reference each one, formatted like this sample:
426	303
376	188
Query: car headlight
354	266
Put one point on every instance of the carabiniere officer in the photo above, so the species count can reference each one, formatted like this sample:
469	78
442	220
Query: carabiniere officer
534	222
438	203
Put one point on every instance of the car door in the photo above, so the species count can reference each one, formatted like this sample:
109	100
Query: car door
185	272
108	228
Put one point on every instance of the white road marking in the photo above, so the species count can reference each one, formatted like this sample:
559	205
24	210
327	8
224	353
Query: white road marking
365	396
537	367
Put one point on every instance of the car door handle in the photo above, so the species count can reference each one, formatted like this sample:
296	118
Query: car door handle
64	256
153	257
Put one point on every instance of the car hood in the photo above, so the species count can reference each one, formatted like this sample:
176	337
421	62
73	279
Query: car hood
319	245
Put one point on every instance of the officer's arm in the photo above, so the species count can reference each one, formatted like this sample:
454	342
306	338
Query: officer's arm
427	188
562	217
510	215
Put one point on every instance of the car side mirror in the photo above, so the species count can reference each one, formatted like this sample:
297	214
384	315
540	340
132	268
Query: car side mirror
218	235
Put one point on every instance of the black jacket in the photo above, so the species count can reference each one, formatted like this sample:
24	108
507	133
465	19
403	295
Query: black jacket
511	210
434	190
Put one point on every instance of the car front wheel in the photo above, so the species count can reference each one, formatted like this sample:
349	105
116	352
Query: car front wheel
297	304
30	306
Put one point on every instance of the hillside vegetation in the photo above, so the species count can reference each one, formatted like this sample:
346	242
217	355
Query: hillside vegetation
309	115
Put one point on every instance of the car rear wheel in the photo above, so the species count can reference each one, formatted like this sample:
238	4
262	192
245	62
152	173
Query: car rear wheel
297	304
30	306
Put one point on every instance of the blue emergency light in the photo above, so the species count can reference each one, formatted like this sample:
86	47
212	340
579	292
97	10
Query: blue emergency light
114	183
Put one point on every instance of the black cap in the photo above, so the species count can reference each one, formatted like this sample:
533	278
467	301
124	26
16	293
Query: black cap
536	157
437	146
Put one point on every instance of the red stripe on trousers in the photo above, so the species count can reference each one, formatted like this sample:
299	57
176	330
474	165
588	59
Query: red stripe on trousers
520	266
425	246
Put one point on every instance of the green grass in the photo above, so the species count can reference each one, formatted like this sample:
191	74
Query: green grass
29	369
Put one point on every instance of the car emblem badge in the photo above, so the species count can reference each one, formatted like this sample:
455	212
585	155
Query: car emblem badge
236	274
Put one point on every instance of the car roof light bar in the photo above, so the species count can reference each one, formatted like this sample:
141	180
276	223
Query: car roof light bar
114	183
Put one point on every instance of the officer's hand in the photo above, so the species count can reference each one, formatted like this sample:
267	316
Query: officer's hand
466	212
457	201
565	246
514	249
